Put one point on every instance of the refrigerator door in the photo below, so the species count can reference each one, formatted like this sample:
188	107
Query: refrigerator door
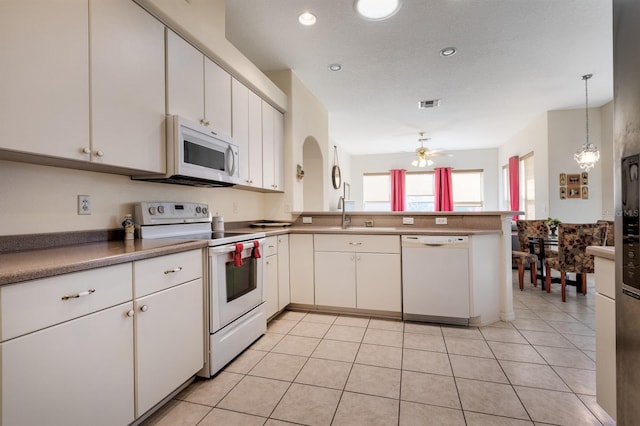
626	65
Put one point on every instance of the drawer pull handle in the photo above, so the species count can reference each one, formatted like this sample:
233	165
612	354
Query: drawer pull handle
80	294
171	271
355	244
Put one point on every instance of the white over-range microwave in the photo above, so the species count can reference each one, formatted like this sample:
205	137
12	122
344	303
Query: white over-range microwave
197	156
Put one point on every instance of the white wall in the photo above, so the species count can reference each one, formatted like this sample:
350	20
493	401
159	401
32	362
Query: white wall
485	159
532	138
566	134
40	199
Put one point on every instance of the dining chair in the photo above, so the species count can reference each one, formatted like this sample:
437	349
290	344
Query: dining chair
534	228
573	240
523	258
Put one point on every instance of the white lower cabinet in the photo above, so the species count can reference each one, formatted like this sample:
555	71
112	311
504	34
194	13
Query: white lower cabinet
358	271
79	348
78	372
301	269
378	283
169	341
276	273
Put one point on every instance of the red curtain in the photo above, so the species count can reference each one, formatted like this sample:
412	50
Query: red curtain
444	190
514	184
397	189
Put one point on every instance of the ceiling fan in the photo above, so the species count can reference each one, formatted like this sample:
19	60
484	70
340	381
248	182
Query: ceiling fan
423	155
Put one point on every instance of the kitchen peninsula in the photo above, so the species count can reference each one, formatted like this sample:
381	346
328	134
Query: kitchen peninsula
315	238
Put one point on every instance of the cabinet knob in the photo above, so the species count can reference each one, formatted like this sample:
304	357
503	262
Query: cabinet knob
100	153
130	313
86	150
144	308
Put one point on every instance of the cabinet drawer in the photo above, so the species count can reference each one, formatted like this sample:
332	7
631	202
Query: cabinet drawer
34	305
159	273
270	246
357	243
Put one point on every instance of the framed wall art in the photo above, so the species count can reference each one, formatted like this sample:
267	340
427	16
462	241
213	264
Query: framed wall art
563	179
585	178
585	192
563	192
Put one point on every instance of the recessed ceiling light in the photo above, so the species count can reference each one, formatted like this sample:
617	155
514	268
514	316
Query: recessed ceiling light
377	10
448	51
335	67
307	18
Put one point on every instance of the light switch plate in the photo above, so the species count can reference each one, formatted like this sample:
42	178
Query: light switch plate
407	221
441	220
307	219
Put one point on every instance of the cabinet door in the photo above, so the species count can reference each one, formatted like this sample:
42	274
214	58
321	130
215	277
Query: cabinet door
169	341
278	150
301	269
127	86
268	148
378	284
283	271
185	79
255	140
271	284
335	279
217	98
240	127
44	87
78	372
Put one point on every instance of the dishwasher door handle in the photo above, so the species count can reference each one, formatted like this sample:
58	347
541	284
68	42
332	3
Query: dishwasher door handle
433	244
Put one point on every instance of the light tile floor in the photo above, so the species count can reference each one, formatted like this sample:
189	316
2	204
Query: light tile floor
316	369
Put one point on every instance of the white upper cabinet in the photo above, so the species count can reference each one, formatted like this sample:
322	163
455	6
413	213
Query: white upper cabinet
217	98
197	88
127	86
44	82
247	132
185	79
272	148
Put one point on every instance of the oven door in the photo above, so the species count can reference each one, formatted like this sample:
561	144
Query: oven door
234	290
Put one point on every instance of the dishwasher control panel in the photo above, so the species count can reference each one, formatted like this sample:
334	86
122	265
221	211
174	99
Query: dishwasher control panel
434	240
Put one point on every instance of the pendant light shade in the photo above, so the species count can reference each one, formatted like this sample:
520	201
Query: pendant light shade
587	155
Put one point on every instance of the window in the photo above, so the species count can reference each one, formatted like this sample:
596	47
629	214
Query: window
467	191
528	186
376	192
419	192
506	194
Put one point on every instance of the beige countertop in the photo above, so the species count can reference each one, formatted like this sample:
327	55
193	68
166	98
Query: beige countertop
408	230
32	264
606	252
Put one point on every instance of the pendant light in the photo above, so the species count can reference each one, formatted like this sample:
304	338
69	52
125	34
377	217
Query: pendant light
587	155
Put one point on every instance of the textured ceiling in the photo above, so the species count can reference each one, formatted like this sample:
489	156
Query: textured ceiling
516	60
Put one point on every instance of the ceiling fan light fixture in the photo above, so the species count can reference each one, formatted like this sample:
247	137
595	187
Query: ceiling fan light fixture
377	10
307	19
587	155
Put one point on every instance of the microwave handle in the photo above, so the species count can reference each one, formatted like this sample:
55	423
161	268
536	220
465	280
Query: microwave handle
231	162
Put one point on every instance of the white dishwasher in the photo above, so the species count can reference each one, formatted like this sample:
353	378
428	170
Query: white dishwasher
435	279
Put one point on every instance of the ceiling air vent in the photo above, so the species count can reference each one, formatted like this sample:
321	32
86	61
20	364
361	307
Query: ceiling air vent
429	104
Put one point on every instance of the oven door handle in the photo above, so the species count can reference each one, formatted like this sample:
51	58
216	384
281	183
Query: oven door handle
232	247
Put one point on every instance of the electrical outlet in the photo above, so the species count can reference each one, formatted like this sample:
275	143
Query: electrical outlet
368	223
84	204
407	221
307	219
441	220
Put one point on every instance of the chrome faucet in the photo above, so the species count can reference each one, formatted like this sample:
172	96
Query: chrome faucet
342	203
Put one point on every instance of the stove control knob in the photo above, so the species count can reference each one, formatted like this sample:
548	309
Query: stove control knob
198	209
205	210
161	209
152	211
